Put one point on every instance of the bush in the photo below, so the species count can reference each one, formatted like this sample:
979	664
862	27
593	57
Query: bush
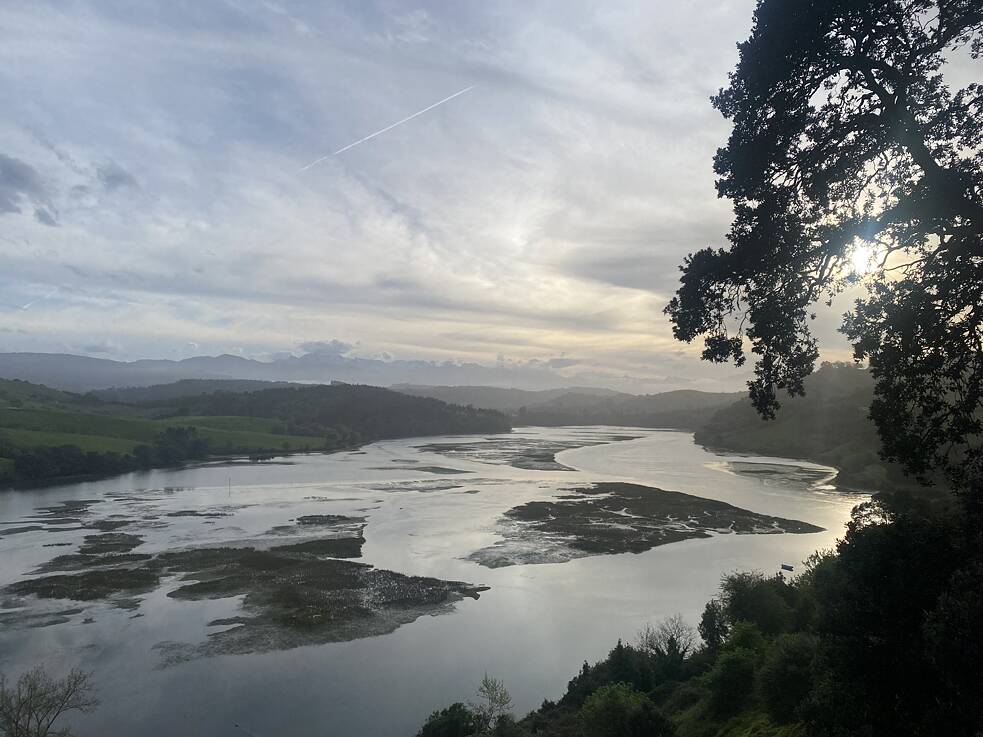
750	597
745	636
457	720
618	710
786	678
731	681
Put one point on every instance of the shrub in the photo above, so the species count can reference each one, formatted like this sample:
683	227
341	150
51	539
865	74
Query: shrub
786	677
457	720
731	681
618	710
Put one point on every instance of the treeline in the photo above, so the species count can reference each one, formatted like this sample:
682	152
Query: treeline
367	412
882	637
174	445
829	425
683	409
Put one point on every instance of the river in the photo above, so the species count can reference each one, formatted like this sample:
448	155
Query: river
429	504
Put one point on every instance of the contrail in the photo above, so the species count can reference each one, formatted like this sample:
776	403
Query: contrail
38	299
387	128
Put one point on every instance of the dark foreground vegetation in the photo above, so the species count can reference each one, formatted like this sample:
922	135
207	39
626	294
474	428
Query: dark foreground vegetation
33	705
46	433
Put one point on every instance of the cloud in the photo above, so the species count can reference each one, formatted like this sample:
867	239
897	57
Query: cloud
20	182
326	347
544	213
45	217
105	347
560	363
112	176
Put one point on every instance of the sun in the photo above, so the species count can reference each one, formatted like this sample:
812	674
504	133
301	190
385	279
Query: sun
864	259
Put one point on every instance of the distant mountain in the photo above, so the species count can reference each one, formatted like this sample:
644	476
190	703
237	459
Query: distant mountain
683	409
82	373
499	398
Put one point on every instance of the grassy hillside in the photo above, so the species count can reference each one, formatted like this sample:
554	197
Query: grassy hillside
367	411
16	393
828	425
48	433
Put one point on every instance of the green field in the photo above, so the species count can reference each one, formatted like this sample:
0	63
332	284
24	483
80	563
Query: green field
46	434
252	424
40	438
31	428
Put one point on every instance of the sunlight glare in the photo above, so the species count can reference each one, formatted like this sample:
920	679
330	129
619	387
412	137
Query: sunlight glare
864	258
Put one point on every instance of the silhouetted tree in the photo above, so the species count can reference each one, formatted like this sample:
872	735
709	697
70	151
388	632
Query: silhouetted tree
849	152
713	627
457	720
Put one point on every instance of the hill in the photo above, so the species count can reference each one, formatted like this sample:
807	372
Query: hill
508	400
370	412
182	388
47	433
828	425
683	409
322	364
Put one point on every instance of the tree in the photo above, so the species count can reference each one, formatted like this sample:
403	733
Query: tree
457	720
668	642
852	162
750	597
713	626
31	707
495	703
671	637
787	675
731	681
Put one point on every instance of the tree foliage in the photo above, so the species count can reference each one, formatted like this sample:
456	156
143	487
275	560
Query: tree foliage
32	706
457	720
850	152
618	710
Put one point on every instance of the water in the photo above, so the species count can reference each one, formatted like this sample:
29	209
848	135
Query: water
533	628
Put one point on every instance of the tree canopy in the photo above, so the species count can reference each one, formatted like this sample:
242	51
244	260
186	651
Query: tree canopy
851	160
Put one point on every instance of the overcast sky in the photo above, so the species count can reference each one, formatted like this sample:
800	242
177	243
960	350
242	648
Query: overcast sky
153	201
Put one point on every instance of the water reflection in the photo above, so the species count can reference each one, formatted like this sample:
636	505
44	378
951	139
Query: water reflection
533	627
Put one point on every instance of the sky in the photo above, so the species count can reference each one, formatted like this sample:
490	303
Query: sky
156	198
